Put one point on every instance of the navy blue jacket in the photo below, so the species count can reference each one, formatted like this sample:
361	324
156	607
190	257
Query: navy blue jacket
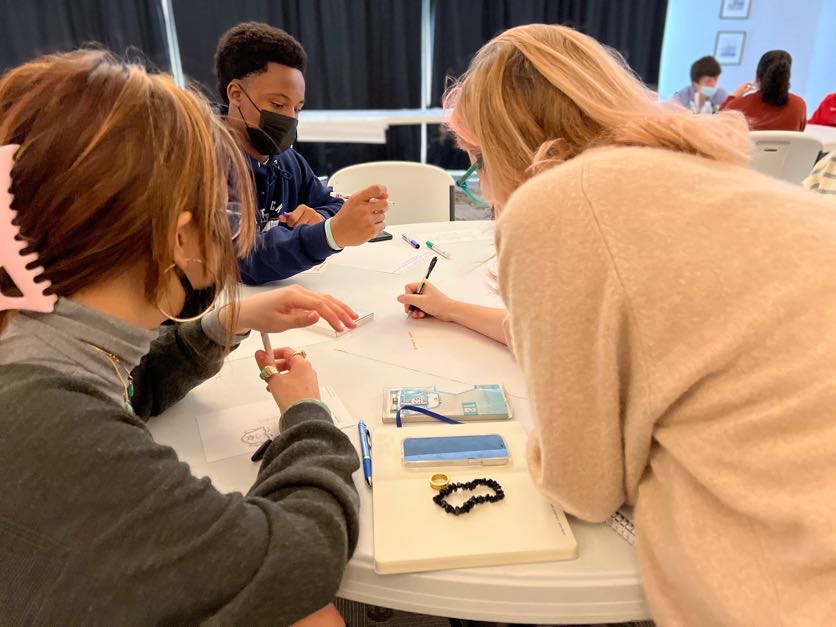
282	184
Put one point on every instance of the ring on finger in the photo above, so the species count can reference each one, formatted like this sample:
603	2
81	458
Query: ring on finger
267	372
302	353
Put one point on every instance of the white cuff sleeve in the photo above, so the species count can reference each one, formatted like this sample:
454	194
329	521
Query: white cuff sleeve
330	236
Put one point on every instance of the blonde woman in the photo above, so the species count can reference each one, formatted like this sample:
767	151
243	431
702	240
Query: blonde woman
120	188
675	315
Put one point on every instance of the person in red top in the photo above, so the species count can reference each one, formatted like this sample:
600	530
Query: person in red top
772	107
826	113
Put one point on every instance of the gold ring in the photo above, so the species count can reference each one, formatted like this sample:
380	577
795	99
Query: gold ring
267	372
439	480
303	353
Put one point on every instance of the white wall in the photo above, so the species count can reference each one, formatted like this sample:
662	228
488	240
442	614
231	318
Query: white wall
804	28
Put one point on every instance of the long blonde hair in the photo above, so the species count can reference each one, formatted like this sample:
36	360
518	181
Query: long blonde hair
109	157
537	95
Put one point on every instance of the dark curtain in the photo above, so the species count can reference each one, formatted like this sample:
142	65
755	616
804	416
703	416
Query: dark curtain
130	28
633	27
362	54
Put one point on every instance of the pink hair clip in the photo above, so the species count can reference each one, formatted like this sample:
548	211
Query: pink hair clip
12	259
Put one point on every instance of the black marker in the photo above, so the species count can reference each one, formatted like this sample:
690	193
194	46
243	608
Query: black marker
261	450
423	283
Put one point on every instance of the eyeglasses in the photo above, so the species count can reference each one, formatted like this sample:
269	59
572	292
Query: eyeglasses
461	183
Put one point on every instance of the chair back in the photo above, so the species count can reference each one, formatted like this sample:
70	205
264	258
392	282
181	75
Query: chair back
787	155
420	192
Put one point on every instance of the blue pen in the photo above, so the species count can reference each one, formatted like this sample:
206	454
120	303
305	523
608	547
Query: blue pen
410	241
366	450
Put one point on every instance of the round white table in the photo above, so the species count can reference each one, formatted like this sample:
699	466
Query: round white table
601	585
825	134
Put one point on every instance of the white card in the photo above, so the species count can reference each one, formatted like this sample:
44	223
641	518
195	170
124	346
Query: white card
322	326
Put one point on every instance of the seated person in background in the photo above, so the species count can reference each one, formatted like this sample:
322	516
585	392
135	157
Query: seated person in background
99	524
823	177
702	95
826	112
260	79
679	355
433	302
772	107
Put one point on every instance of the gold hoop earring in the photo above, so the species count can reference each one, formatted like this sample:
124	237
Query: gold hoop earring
189	289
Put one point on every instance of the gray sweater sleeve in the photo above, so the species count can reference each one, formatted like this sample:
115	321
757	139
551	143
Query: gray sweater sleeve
183	356
134	538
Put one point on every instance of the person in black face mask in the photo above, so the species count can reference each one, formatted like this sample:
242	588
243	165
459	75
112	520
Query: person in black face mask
260	71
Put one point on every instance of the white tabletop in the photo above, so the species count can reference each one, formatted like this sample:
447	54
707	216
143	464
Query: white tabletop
825	134
602	585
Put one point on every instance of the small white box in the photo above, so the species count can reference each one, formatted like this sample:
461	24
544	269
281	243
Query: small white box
322	326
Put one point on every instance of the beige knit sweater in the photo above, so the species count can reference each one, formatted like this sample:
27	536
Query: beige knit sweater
676	320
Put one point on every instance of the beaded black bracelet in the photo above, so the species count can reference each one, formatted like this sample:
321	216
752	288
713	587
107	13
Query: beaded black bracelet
470	503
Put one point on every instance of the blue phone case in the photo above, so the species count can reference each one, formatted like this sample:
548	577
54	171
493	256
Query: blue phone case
488	449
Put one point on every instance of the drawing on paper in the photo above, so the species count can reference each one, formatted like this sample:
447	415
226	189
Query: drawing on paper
254	437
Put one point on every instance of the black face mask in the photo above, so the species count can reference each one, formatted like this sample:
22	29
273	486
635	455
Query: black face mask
275	133
197	301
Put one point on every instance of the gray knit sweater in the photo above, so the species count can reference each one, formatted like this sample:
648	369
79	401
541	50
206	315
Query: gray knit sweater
101	525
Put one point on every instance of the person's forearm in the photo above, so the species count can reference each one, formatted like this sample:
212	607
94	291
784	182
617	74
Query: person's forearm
484	320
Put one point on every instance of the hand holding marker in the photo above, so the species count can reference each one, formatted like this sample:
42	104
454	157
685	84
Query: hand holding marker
420	291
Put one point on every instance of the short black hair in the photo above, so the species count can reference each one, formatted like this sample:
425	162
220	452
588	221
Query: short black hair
706	66
248	47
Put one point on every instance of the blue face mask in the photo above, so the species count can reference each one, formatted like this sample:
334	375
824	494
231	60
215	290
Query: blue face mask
708	92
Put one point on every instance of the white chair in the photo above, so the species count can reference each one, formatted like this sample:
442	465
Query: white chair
420	192
786	155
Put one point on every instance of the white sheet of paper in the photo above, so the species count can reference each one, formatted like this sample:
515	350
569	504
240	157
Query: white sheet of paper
479	286
342	418
451	236
241	430
391	259
317	269
438	348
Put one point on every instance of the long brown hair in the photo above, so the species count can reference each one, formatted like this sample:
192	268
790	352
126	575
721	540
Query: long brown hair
109	157
537	95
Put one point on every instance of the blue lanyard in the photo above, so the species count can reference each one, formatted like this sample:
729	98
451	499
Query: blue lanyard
426	412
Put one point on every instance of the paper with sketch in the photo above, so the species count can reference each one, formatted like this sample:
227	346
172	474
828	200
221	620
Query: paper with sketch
238	430
383	257
241	430
443	349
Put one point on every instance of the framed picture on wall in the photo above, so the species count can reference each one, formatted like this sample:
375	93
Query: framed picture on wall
728	48
735	9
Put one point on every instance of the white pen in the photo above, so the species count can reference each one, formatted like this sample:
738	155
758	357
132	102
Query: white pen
438	249
268	348
347	196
